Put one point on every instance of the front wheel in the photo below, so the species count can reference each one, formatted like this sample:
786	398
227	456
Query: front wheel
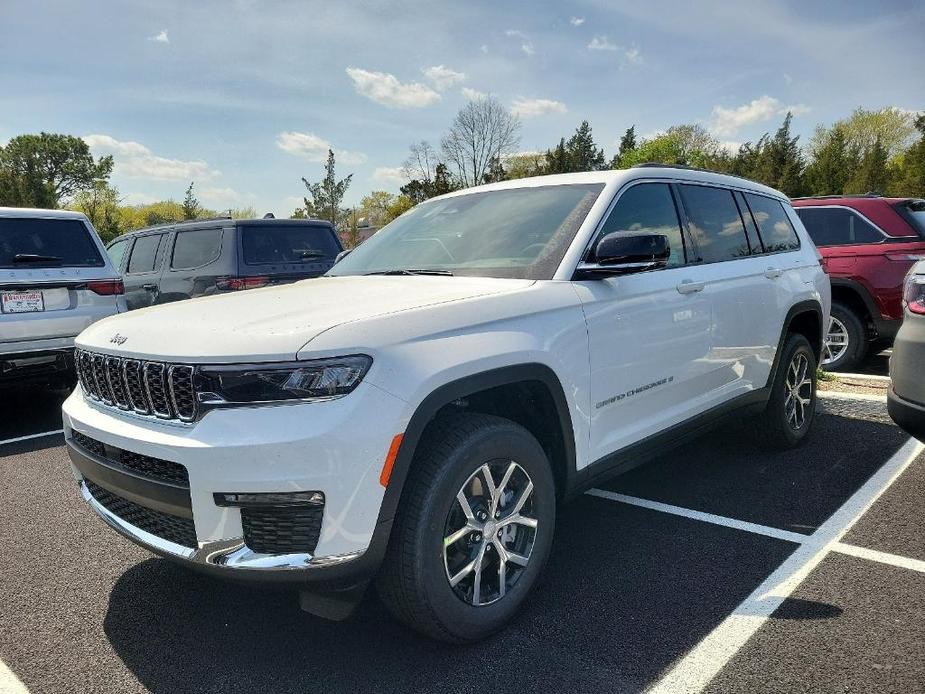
791	406
473	530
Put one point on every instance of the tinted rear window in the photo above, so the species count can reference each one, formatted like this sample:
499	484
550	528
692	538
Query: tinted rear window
144	254
914	212
196	248
52	242
836	226
278	243
777	233
715	223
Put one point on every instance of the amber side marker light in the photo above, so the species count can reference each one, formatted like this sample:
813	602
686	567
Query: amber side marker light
390	460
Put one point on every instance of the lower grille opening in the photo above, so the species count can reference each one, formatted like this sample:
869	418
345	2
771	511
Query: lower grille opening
153	468
282	530
165	526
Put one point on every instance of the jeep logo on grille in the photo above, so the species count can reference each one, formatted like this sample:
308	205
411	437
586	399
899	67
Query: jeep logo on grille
118	339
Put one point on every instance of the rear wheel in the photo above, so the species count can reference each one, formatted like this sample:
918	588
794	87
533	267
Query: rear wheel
791	407
473	530
845	341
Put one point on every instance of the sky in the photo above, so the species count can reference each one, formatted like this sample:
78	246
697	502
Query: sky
245	97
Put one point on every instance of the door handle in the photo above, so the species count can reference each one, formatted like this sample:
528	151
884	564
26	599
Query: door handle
689	287
772	273
149	287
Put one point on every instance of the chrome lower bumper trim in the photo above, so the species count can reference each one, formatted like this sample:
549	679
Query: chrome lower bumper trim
231	554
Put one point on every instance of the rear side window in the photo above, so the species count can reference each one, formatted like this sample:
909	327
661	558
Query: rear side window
28	243
777	233
116	252
836	226
196	248
714	223
286	243
144	254
913	211
648	207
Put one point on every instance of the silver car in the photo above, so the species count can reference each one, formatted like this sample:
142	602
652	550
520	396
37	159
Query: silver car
55	280
906	397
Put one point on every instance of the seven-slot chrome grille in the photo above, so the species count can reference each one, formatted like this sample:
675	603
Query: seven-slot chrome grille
151	388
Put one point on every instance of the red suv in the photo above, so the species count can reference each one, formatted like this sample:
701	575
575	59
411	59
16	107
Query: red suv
868	243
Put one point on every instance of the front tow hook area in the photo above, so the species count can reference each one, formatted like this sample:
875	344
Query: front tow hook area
336	605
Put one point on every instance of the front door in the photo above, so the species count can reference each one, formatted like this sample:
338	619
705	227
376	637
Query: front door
649	333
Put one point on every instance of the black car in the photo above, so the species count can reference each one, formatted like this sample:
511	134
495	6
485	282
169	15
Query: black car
200	257
906	397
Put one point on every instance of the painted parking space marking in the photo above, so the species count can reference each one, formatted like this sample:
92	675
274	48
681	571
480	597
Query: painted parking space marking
702	663
32	436
9	682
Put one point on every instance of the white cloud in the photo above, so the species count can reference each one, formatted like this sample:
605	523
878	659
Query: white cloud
632	56
443	77
161	37
473	94
310	147
788	79
389	175
134	160
526	45
730	146
530	108
728	121
221	198
576	21
601	43
385	89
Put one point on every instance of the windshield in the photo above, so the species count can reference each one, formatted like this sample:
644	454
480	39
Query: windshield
520	233
37	242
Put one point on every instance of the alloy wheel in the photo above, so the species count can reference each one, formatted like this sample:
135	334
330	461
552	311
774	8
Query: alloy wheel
836	342
490	532
799	386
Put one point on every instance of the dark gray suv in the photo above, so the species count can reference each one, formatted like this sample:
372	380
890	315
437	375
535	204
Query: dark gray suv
178	261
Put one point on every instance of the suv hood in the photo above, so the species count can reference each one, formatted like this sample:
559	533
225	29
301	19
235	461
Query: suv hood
276	322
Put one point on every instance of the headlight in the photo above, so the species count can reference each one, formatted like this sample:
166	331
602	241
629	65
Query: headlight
306	380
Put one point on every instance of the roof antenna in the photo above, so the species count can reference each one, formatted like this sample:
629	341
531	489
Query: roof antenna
269	215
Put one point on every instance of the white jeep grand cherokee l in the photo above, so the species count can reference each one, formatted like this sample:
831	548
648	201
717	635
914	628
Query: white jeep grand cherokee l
413	417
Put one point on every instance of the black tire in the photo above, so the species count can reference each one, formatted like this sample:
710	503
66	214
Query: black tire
413	582
857	339
775	428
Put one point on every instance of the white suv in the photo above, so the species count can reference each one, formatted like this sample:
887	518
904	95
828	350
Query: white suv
414	416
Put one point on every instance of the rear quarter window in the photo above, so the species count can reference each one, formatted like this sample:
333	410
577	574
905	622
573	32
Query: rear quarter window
777	233
144	254
286	243
28	243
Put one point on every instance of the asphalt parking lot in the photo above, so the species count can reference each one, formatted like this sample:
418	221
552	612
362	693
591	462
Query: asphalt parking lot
719	567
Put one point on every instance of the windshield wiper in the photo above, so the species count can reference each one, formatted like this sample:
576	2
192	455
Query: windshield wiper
307	255
35	258
413	271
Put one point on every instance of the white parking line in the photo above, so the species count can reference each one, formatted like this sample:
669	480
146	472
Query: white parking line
32	436
9	682
701	516
882	557
702	663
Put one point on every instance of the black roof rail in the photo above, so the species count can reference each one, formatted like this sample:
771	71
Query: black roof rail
182	221
839	197
685	167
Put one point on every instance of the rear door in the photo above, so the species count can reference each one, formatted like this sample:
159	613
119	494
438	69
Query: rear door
142	271
195	260
748	310
55	280
285	251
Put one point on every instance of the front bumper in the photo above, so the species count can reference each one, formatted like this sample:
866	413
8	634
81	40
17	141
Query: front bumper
335	447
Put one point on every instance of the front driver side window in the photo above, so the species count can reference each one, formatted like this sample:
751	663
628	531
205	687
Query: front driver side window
648	207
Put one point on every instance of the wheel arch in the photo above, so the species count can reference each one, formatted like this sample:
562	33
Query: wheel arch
857	297
805	318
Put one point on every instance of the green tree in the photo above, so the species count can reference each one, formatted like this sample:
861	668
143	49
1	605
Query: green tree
910	179
401	205
374	207
327	196
627	145
831	163
557	160
872	175
101	205
578	153
495	171
778	161
191	206
48	168
525	164
661	149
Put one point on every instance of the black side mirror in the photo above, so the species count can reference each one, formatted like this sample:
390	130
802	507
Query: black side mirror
624	252
340	256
